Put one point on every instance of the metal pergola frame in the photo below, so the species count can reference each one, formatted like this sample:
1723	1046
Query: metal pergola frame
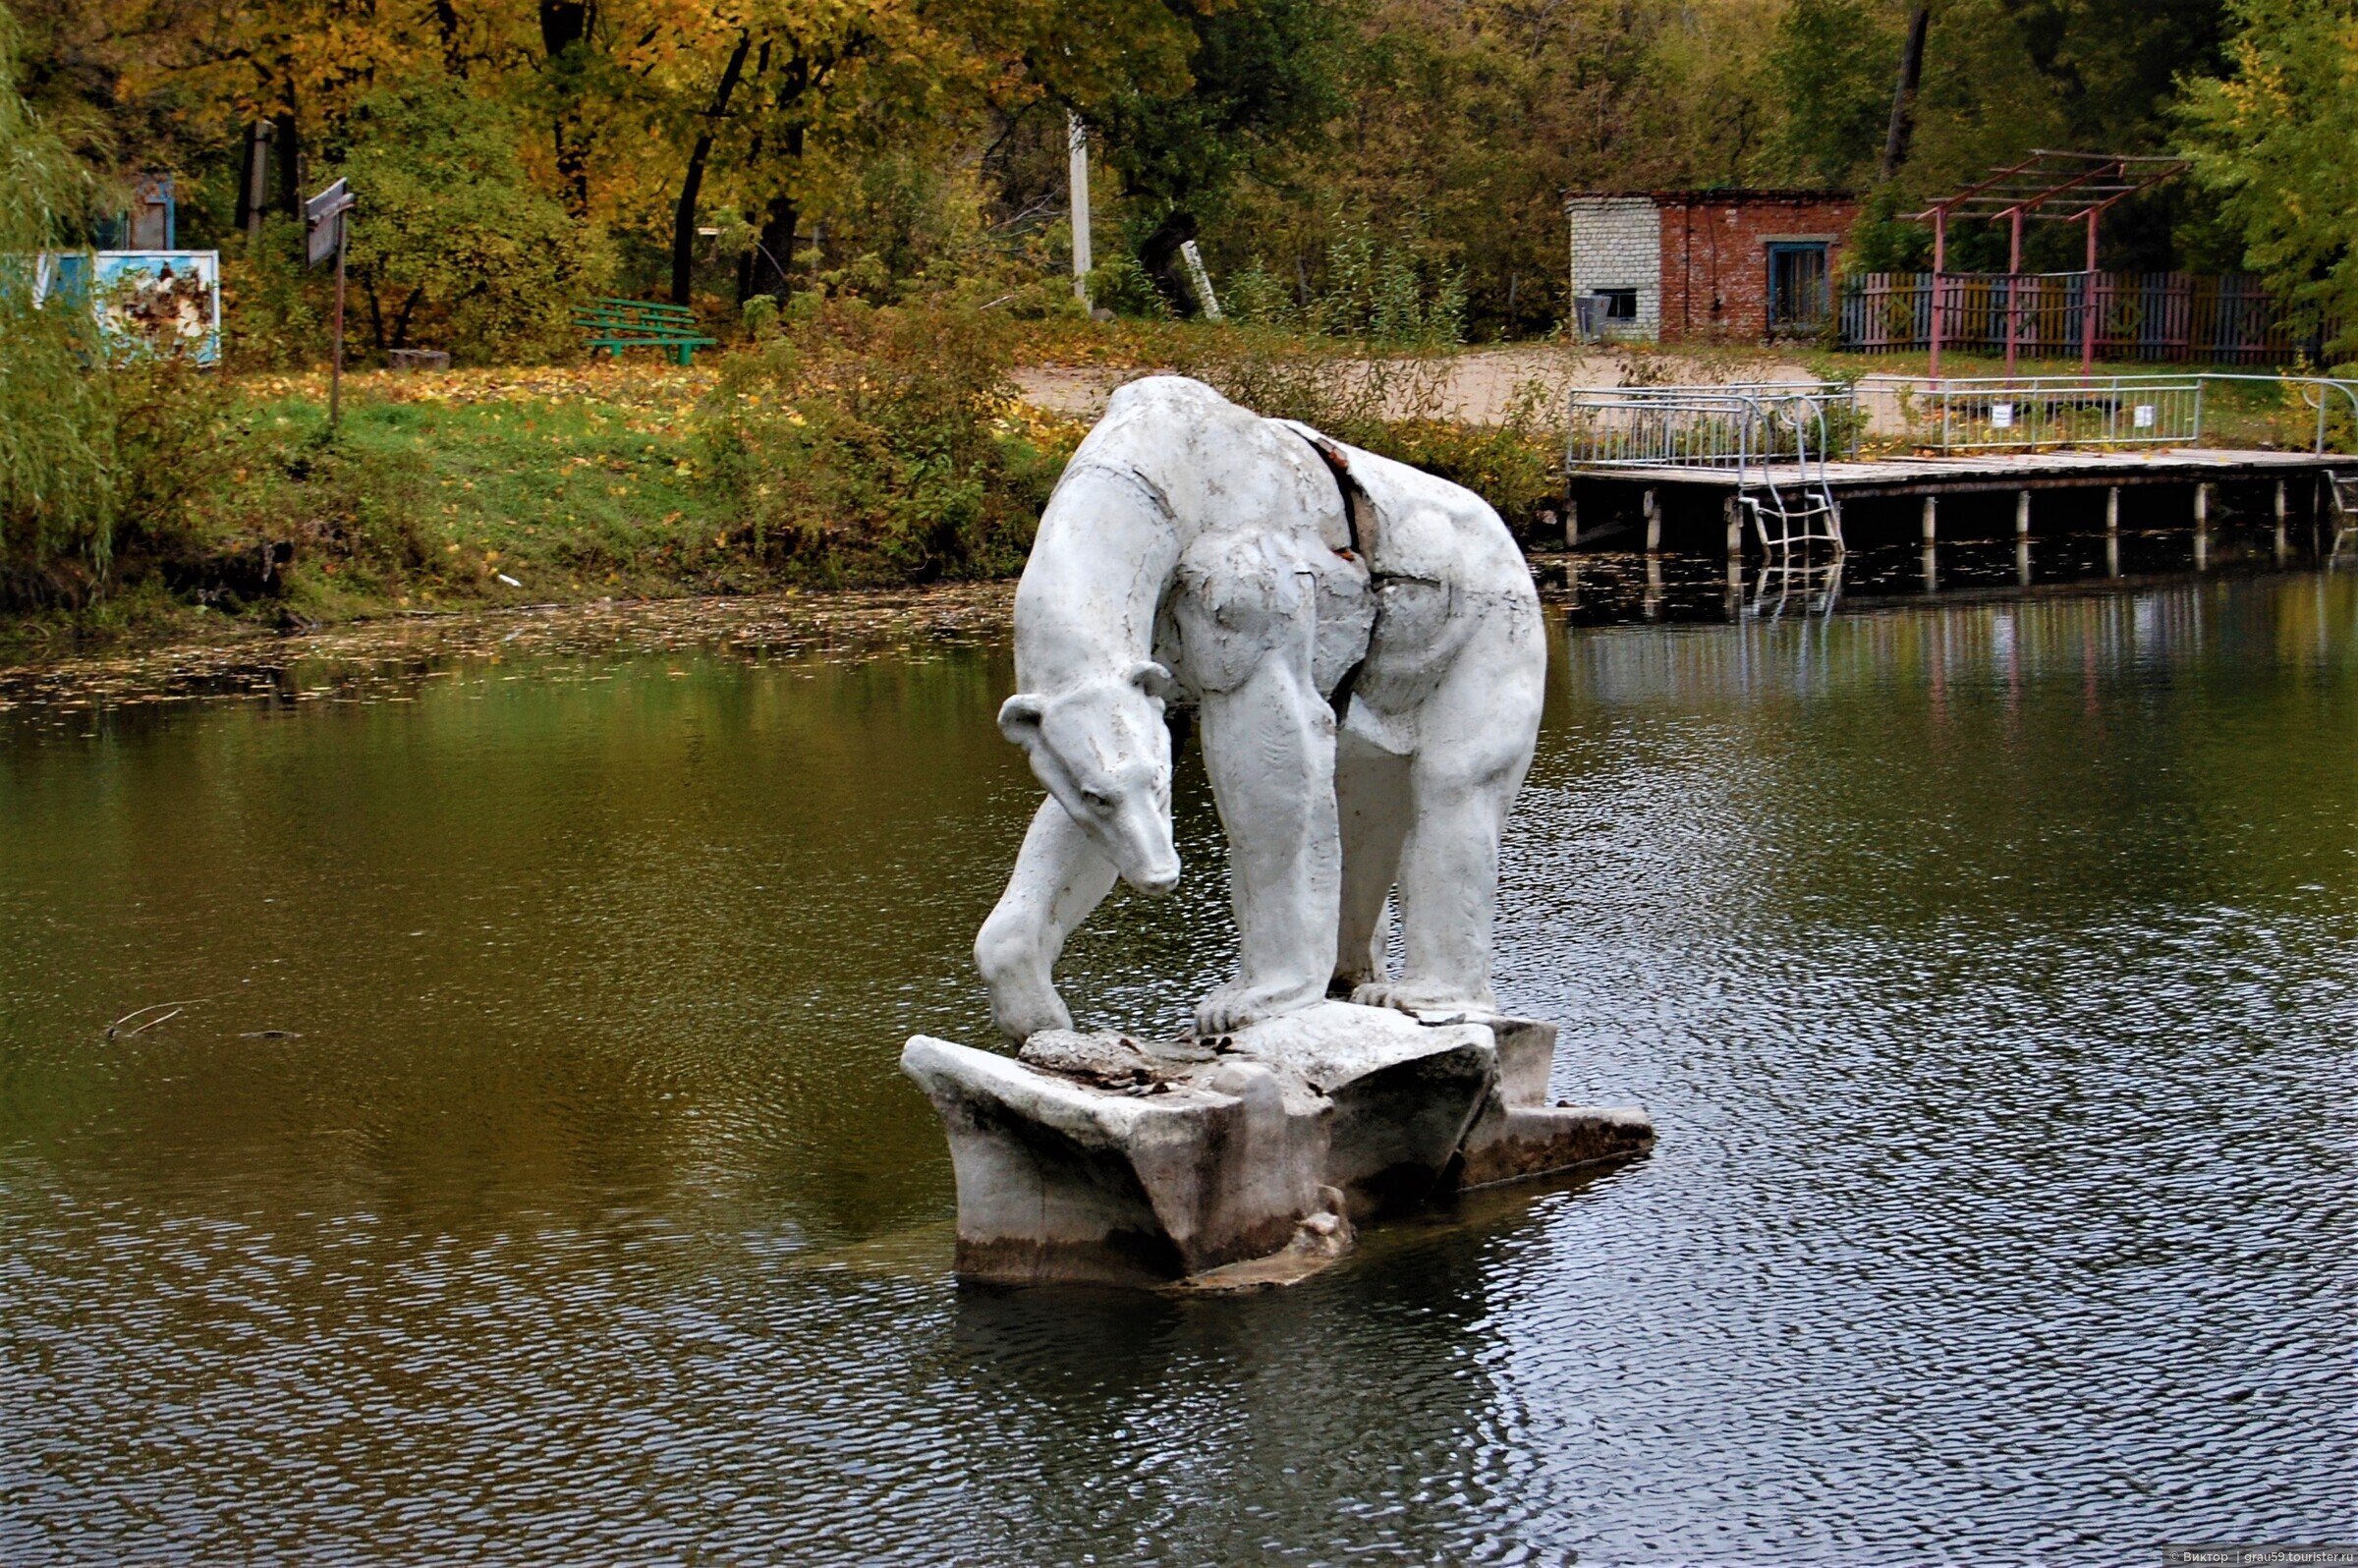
2055	187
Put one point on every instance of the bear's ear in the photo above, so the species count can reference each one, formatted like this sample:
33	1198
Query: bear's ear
1154	680
1019	718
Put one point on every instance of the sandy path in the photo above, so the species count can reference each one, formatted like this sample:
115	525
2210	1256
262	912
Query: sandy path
1480	385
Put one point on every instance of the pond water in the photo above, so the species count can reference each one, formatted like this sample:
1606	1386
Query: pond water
526	1175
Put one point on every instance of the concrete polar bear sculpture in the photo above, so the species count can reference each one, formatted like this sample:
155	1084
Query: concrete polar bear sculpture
1363	645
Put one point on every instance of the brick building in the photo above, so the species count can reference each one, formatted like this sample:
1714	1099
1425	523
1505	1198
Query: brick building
1749	265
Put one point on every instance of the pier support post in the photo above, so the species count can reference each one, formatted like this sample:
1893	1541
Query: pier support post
2283	545
1932	518
2022	514
2202	507
1654	520
2022	559
1732	512
2111	555
1929	564
1571	522
2113	512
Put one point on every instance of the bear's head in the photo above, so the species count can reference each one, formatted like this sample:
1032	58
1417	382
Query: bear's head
1102	751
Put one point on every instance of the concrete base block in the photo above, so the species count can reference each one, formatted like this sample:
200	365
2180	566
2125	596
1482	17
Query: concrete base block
1519	1134
1403	1095
1509	1142
1525	1054
1244	1160
1063	1179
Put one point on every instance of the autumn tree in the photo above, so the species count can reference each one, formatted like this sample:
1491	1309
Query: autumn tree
2275	139
1262	76
457	239
1833	62
791	92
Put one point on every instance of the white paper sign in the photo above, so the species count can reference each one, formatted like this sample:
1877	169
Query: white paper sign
2002	414
2144	416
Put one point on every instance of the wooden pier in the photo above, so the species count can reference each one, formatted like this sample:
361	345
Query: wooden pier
1697	508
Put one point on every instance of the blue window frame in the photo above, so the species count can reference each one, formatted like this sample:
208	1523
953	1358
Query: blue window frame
1798	293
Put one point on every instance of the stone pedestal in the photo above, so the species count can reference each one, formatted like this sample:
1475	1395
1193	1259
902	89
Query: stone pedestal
1107	1159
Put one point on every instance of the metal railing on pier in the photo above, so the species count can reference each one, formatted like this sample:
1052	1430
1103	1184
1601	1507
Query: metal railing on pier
1774	438
1996	414
1953	415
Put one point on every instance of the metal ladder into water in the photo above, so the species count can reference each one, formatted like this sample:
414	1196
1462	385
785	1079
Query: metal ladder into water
1792	519
2345	493
1801	512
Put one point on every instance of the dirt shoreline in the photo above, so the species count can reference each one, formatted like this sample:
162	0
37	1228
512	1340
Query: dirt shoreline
373	660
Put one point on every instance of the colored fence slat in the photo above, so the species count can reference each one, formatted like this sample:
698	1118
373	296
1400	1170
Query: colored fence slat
2175	318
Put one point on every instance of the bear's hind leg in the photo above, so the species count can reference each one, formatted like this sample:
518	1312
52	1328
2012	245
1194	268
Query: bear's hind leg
1475	738
1371	797
1448	898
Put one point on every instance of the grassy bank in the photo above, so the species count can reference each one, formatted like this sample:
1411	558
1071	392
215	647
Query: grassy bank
855	448
852	447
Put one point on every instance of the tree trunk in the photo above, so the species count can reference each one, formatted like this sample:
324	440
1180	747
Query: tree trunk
1903	98
564	25
773	257
288	149
1159	257
683	221
401	323
254	188
452	32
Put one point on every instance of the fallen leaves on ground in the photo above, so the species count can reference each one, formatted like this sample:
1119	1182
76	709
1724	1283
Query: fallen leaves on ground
658	386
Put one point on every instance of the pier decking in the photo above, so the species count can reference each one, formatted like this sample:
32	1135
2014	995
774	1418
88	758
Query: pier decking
1696	507
1803	463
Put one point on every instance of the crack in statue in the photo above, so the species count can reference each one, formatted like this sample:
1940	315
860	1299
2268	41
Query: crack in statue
1362	647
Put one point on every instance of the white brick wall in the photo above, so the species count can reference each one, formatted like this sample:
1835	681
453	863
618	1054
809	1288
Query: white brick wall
1618	244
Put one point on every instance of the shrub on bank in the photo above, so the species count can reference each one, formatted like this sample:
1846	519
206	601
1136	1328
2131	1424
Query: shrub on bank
868	445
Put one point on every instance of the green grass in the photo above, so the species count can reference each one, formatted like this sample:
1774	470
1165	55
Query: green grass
427	503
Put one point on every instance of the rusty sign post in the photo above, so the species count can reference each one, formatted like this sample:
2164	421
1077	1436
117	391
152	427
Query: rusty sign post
323	219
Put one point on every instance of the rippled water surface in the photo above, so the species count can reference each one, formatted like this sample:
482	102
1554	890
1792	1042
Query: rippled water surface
527	1177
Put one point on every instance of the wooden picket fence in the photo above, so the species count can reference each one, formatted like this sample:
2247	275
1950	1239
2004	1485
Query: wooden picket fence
2173	316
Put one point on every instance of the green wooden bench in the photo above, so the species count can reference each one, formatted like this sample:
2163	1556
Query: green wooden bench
618	324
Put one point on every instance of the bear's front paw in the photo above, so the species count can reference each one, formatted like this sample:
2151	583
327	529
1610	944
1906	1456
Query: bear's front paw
1238	1004
1022	1011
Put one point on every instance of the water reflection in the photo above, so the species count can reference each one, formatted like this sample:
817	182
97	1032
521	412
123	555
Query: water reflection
1984	963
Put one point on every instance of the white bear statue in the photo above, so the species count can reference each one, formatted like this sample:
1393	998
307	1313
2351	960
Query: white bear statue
1363	645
